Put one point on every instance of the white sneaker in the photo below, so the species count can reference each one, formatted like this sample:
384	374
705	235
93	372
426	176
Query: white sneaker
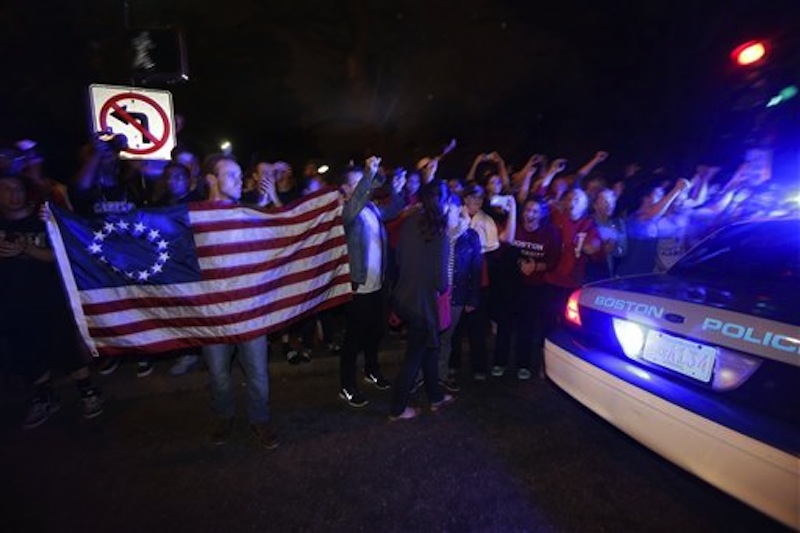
498	371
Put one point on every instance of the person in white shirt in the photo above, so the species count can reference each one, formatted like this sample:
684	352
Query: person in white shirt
476	322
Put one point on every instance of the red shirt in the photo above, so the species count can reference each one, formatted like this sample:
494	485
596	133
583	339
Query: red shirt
571	269
542	245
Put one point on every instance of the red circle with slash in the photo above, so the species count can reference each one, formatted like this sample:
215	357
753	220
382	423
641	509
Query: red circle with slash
112	105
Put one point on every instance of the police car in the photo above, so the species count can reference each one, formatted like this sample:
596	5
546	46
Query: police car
700	364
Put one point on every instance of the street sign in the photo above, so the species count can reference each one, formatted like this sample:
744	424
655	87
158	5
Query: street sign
143	116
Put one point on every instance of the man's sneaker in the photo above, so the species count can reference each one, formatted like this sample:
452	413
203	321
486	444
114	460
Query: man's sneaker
305	355
91	403
498	371
39	410
447	399
293	357
479	376
450	384
523	374
108	366
407	414
378	380
353	398
265	436
222	431
144	369
184	365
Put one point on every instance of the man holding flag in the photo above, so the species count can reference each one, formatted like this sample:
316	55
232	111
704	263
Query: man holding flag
211	274
225	188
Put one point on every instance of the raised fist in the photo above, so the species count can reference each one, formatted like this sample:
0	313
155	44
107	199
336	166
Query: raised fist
372	163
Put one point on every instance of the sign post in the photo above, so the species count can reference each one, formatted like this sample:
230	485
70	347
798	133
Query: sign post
143	116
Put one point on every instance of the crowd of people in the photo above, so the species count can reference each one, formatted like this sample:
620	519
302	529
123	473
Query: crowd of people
491	256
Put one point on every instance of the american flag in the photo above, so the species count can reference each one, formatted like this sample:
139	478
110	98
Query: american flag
155	280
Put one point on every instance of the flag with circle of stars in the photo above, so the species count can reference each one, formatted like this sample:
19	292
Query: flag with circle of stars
142	247
156	280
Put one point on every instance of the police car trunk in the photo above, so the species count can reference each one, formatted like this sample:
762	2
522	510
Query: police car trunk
701	364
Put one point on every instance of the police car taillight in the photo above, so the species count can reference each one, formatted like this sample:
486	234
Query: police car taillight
572	313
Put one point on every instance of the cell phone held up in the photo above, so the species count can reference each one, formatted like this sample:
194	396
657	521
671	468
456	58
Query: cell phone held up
500	201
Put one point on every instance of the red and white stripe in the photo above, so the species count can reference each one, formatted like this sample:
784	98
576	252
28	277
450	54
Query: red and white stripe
260	271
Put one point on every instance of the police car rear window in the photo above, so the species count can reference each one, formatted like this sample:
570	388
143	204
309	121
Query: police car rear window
765	250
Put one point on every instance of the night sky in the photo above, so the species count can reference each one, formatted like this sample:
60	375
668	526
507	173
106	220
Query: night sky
649	81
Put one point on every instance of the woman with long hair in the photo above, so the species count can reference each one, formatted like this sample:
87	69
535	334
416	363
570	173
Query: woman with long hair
423	255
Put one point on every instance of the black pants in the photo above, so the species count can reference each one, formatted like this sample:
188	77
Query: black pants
476	326
526	319
365	319
418	354
38	340
507	318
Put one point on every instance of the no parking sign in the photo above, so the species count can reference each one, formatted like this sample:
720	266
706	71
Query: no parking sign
143	116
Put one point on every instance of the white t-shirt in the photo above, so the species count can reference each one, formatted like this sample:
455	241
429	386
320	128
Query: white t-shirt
374	252
486	229
671	241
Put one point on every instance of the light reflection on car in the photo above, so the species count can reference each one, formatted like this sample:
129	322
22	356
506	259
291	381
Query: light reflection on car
701	364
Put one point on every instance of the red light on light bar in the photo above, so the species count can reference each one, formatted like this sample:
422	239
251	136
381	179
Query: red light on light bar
749	53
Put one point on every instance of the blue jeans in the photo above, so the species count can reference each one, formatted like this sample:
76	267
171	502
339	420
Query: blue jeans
252	356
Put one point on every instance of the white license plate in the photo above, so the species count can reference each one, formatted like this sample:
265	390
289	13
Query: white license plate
689	358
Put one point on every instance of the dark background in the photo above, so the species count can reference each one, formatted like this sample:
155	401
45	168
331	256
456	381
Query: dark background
648	81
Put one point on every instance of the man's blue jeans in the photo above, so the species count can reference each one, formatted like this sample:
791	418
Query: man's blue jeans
252	356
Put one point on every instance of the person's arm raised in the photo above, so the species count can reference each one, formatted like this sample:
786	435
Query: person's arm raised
598	158
510	229
470	178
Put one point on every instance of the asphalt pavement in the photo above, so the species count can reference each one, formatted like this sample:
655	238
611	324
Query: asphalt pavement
507	456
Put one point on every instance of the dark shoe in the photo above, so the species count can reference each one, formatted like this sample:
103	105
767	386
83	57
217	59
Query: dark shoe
378	380
447	399
265	436
222	431
407	414
353	398
91	403
293	357
144	369
305	355
39	410
108	366
334	347
450	384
